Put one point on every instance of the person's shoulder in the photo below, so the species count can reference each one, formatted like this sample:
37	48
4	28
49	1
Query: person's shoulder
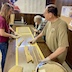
62	22
62	25
2	19
48	23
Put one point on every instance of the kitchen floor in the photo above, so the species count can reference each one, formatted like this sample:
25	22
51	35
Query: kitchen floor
64	64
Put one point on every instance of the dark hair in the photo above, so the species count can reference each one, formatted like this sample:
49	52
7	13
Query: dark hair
53	10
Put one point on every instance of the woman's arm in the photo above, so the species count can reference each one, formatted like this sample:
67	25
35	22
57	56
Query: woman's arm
3	33
13	30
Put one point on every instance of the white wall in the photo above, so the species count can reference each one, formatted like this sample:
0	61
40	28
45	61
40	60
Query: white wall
31	6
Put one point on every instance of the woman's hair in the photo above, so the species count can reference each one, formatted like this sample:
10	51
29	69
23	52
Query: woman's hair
52	9
4	11
37	17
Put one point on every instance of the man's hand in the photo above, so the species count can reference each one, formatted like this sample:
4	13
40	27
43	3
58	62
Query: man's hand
35	30
45	60
34	40
42	62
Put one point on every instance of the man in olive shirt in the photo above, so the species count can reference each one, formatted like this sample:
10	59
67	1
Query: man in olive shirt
56	34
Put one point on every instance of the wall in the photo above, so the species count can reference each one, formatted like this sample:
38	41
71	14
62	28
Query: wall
28	18
60	3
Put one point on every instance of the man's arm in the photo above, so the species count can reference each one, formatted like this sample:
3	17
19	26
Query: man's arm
34	40
62	42
59	51
41	34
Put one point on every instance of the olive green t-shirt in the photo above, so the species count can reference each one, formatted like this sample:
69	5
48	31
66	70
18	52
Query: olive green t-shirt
56	36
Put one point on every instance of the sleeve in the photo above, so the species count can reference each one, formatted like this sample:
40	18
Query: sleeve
2	24
63	35
45	29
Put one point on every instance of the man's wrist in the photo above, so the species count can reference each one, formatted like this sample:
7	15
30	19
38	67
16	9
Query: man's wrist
48	58
14	31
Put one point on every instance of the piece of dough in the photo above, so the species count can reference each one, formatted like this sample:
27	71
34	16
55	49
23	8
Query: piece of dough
16	69
20	42
29	58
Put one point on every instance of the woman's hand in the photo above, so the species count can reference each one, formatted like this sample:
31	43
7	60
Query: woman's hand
45	60
14	36
16	33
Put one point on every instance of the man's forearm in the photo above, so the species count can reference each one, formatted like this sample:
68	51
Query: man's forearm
57	52
40	35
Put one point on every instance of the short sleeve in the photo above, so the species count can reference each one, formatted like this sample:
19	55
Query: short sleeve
63	35
45	29
2	24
